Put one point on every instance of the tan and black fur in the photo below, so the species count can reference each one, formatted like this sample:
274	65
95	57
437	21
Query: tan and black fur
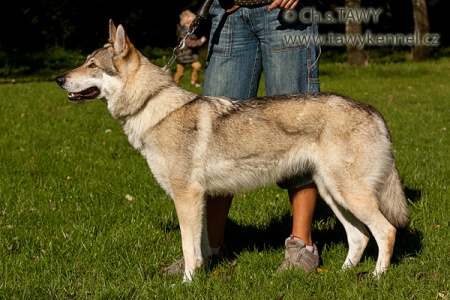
198	146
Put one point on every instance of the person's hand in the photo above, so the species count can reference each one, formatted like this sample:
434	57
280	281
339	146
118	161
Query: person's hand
203	39
287	4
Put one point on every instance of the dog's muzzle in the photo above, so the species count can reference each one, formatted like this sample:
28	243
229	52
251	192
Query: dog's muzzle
84	95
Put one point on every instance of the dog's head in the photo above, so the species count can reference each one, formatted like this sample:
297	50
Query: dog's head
98	77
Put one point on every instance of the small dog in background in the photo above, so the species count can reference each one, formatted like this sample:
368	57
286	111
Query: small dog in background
189	55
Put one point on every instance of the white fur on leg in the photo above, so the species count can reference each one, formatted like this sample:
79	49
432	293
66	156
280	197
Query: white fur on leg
191	209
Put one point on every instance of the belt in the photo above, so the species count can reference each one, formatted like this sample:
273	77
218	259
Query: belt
252	2
232	5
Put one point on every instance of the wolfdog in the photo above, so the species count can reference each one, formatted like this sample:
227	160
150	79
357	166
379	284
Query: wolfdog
198	146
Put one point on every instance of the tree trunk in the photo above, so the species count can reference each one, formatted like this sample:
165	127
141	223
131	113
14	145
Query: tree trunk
422	27
355	52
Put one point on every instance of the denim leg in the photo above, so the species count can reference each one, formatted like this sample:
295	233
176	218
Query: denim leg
288	67
233	66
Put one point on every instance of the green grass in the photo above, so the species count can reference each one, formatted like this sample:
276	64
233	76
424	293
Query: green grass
70	230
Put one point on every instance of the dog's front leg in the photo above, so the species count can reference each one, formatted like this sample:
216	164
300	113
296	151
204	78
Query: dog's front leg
190	206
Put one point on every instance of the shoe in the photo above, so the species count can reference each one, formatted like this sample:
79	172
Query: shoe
296	256
196	83
177	267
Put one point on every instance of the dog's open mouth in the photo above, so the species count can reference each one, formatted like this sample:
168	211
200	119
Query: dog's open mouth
87	94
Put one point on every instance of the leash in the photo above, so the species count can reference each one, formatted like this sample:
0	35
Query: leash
201	15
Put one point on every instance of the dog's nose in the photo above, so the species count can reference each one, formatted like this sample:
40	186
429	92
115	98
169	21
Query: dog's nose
60	80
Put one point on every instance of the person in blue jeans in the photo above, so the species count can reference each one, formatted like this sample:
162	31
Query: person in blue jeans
246	40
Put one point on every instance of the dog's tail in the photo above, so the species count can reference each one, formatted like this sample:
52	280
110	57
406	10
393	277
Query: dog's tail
393	203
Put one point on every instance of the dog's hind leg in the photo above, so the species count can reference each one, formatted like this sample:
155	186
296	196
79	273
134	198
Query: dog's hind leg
364	206
357	234
191	210
384	233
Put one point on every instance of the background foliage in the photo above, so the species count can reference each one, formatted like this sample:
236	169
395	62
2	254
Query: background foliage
32	29
31	25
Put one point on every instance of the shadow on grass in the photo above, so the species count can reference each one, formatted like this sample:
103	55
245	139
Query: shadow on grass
240	238
408	242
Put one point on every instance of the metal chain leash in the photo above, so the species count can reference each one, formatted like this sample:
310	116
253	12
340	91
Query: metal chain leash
202	13
178	50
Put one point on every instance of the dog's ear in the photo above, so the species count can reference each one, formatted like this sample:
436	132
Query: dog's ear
112	31
121	43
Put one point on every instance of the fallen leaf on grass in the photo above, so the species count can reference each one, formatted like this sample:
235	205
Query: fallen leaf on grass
144	267
422	274
366	278
42	247
321	270
12	246
224	272
361	275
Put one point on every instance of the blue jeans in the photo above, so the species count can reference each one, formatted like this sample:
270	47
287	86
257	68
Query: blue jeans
247	42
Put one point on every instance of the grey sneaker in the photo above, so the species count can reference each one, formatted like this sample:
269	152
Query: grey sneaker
296	256
177	267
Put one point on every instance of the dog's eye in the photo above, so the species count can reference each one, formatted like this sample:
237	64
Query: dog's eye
92	65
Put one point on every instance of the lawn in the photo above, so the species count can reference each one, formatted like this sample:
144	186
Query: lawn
81	216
